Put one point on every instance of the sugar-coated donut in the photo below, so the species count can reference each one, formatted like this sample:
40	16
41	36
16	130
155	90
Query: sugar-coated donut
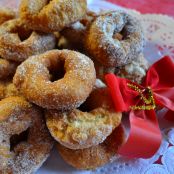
6	14
75	73
134	71
78	129
7	89
101	70
18	117
76	33
17	43
114	39
95	156
54	15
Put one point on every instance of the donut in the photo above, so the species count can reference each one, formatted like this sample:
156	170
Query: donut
7	89
94	156
17	43
76	33
6	14
54	15
101	70
7	68
134	71
114	39
86	126
18	117
57	79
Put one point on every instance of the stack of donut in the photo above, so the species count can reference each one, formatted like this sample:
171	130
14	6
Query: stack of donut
53	57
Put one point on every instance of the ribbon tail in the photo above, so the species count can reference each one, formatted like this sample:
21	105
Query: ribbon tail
145	136
165	98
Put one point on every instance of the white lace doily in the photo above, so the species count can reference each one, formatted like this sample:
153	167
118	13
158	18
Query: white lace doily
159	31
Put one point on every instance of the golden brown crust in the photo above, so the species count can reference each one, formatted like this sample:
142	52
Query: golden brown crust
77	129
54	15
101	70
109	50
17	116
2	89
76	33
95	156
17	43
33	79
134	71
7	89
6	14
7	68
11	105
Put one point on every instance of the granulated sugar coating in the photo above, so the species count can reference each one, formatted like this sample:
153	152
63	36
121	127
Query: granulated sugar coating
109	50
76	33
33	79
95	156
49	16
78	129
12	47
54	88
6	14
134	71
17	116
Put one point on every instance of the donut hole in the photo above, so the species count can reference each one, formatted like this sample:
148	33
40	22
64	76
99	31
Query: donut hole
122	35
22	33
87	106
98	98
84	107
117	36
57	71
17	139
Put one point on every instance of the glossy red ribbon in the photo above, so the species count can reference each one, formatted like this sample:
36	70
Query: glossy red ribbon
145	136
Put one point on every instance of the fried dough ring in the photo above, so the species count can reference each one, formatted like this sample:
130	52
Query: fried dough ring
114	39
101	70
77	129
76	33
94	156
134	71
7	89
17	43
7	68
17	116
33	79
6	14
54	15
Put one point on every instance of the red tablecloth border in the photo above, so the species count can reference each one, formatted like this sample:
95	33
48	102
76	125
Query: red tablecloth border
148	6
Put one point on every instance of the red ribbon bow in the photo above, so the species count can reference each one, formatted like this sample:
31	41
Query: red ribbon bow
141	100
